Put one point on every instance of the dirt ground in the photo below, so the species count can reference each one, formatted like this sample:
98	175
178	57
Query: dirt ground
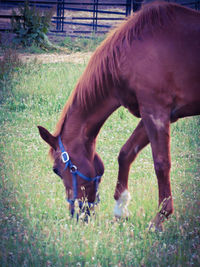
78	57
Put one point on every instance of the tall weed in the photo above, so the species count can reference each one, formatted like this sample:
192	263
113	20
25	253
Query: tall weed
10	62
31	26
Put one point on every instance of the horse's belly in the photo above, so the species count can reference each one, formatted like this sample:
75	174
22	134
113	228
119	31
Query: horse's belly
189	109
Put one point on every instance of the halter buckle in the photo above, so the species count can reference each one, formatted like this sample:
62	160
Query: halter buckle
73	168
65	157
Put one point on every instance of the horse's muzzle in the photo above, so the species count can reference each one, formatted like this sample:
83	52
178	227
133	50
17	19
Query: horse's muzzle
81	210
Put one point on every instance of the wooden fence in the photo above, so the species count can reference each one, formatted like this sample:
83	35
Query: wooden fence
75	17
96	16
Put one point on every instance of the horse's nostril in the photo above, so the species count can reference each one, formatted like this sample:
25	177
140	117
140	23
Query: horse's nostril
56	171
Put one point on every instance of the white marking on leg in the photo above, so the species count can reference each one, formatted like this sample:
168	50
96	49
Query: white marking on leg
121	205
158	122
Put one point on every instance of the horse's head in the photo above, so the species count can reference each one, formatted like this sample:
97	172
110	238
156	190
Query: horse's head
81	174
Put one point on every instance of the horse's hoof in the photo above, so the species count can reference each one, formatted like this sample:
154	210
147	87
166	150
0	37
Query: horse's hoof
156	227
121	205
123	218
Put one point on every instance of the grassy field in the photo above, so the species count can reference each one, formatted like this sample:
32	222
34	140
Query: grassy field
35	226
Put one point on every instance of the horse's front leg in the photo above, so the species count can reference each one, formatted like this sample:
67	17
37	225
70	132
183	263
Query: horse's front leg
157	126
137	141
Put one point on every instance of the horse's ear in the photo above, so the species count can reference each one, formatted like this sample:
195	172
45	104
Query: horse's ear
47	137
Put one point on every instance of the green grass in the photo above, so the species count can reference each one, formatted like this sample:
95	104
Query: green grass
81	44
60	45
36	229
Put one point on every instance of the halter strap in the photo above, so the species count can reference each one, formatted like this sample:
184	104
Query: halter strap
74	171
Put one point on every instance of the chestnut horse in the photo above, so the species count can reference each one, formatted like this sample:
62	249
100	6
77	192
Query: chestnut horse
150	64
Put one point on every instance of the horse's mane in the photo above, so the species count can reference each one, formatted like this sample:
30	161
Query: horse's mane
102	71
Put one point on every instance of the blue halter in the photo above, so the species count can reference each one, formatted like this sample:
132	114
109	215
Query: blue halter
74	171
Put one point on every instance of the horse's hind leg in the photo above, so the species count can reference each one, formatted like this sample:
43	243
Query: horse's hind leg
158	130
137	141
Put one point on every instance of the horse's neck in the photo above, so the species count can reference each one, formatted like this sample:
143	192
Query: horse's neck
99	115
82	126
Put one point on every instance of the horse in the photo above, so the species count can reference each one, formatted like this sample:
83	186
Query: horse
149	64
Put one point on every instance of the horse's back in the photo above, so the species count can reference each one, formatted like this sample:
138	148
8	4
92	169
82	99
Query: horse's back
164	66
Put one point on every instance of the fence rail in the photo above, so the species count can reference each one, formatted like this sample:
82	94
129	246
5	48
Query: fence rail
95	8
72	17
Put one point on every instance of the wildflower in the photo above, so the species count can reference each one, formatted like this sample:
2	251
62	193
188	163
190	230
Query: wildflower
70	253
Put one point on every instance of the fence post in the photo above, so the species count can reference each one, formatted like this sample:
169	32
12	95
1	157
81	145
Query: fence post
95	15
137	5
60	15
197	5
128	7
